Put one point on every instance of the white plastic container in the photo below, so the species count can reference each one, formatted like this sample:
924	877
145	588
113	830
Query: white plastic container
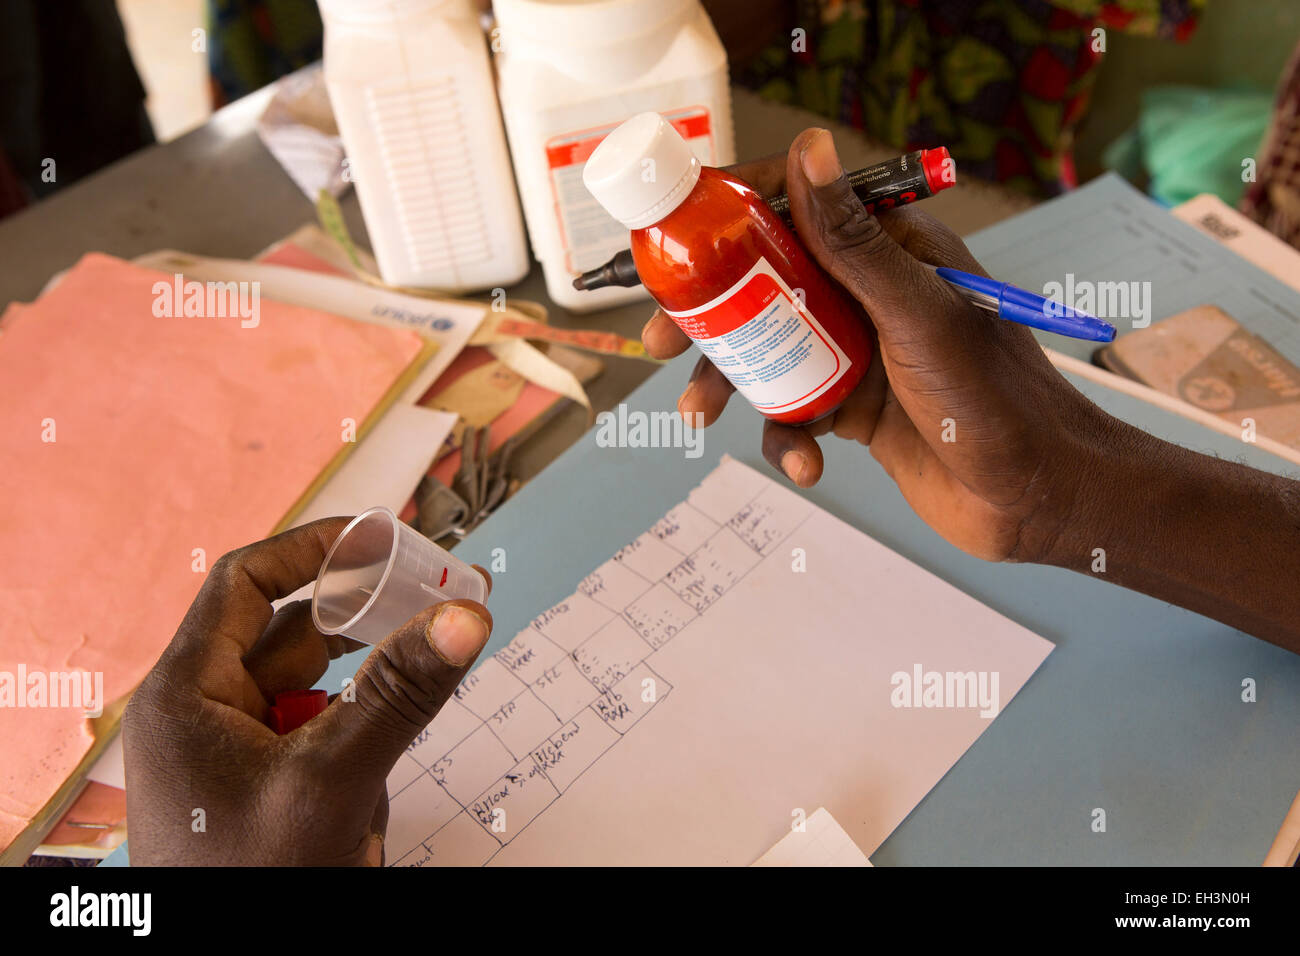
569	72
412	90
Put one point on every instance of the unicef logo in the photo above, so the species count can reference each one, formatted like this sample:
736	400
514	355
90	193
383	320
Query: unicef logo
1210	392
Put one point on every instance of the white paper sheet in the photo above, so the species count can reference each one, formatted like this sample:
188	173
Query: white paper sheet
820	841
386	466
1214	217
740	659
109	768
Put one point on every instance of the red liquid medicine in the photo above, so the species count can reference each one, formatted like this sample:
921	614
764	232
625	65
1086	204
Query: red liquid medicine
730	274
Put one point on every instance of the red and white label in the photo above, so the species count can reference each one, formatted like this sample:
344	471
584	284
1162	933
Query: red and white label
763	338
589	234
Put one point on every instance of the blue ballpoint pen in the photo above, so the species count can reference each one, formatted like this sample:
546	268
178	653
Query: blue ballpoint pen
1027	308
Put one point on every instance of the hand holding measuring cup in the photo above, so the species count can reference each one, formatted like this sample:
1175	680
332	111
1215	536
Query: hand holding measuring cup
380	572
209	783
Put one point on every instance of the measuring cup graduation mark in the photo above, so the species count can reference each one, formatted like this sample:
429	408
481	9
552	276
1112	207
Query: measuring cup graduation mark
380	572
442	582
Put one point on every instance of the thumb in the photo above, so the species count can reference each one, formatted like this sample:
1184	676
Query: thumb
401	686
917	314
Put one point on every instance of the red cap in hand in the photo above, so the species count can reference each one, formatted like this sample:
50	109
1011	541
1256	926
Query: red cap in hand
293	708
940	171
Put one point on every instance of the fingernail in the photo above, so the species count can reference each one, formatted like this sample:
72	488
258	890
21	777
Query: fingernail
820	162
456	634
375	851
793	464
684	403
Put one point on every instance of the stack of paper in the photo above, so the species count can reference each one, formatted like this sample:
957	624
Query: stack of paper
149	426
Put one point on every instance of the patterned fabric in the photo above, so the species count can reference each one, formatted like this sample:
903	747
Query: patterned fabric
254	42
1001	83
1273	200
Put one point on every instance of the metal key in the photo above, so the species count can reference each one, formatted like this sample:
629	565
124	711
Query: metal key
439	510
501	479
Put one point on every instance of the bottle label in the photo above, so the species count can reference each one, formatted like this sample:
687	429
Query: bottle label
763	338
588	233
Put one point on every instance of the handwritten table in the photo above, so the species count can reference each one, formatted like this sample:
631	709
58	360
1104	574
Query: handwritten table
526	723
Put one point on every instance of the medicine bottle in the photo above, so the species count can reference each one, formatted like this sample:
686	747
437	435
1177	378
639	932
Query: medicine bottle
724	267
569	72
411	85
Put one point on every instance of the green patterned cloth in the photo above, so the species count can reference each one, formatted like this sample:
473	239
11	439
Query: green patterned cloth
1001	83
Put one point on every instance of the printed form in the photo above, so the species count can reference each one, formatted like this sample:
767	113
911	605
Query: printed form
748	659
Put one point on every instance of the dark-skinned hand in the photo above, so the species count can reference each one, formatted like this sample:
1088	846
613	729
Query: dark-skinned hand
1018	433
195	737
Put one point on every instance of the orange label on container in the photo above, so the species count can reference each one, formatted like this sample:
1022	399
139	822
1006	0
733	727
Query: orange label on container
567	151
589	234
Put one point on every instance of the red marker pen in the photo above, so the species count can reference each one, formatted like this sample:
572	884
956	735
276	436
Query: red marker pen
732	276
895	182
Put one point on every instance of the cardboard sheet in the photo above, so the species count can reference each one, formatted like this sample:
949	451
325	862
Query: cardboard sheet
137	450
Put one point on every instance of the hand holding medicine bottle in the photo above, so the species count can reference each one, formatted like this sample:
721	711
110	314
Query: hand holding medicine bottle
208	783
992	446
733	278
940	366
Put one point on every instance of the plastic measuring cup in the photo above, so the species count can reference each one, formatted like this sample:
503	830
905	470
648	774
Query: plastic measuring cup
380	573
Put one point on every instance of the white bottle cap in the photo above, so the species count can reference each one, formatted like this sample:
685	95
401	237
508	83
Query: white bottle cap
642	171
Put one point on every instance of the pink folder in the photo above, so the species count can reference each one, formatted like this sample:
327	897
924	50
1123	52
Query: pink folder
136	449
